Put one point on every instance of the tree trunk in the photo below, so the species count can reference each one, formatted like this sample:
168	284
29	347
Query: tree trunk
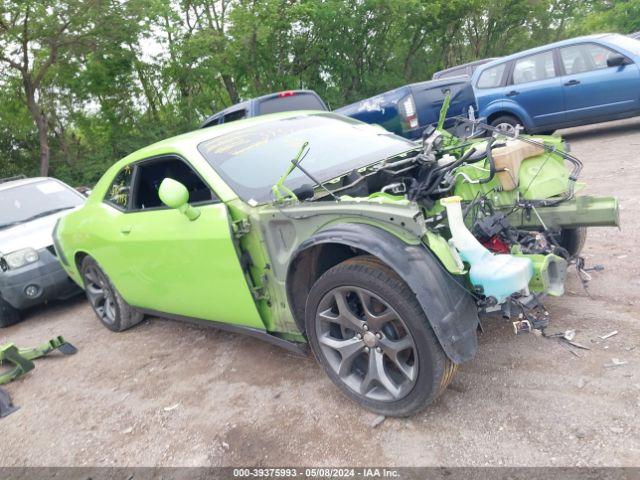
41	123
40	119
230	85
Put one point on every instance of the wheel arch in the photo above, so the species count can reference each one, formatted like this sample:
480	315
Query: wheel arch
77	259
512	110
449	307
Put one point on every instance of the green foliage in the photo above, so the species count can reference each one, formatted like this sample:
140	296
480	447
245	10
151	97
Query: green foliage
127	74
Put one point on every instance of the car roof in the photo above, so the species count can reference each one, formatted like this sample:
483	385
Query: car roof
245	104
541	48
479	61
24	181
439	82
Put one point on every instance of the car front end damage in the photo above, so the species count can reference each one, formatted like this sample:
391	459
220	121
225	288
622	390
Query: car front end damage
521	227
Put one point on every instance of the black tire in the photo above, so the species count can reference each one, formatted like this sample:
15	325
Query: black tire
507	120
430	368
547	132
107	303
573	239
8	315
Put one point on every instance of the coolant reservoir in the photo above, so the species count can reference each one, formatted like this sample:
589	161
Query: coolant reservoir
499	275
510	157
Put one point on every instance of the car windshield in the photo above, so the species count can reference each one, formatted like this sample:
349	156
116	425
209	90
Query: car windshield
27	202
287	102
251	160
630	44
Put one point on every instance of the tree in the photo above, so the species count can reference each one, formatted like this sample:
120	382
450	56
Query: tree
34	35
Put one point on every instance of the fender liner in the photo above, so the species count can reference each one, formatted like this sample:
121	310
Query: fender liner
447	304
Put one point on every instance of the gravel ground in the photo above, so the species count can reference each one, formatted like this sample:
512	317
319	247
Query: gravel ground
169	394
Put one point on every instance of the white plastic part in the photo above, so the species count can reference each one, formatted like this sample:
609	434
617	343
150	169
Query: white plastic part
498	275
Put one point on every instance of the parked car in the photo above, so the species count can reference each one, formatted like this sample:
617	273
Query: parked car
30	273
635	35
464	69
272	103
408	110
565	84
218	226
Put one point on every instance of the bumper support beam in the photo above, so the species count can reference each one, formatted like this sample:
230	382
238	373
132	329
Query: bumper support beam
583	211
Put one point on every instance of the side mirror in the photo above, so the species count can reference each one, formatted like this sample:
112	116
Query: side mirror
617	61
175	195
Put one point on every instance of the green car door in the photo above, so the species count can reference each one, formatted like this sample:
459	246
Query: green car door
161	260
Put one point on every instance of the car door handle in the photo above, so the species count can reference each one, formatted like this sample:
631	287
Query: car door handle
512	93
572	82
126	229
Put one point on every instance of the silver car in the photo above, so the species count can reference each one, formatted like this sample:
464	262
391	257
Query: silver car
29	270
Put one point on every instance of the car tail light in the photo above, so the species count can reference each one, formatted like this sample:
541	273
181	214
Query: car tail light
409	111
288	93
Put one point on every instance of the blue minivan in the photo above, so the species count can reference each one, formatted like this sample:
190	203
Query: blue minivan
408	110
565	84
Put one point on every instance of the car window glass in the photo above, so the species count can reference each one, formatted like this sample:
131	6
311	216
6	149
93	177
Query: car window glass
26	202
237	115
120	189
492	77
533	68
585	57
286	102
252	159
454	72
151	174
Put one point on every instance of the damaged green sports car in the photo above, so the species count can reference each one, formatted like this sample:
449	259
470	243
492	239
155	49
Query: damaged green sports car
309	228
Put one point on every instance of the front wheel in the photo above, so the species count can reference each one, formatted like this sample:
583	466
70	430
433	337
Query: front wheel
372	338
572	239
106	301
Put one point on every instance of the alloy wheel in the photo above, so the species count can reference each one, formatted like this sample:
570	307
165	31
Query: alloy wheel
100	294
366	343
506	127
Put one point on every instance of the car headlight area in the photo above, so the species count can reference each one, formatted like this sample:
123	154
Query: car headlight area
30	277
19	258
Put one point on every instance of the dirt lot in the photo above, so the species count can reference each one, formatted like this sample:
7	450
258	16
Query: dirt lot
166	393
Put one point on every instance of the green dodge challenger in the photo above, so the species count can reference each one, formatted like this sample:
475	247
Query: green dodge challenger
309	228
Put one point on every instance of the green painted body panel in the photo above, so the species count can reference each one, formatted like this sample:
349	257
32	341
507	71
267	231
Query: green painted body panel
540	177
440	247
167	262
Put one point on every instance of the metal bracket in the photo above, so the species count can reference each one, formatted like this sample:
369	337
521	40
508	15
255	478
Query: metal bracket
10	353
22	357
521	326
241	227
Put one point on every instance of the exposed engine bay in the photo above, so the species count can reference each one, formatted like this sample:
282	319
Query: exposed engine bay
504	204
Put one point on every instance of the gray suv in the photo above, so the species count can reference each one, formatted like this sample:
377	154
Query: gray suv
29	270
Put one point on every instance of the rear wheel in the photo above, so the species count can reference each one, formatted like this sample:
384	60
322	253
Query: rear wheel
107	303
372	338
507	124
8	314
